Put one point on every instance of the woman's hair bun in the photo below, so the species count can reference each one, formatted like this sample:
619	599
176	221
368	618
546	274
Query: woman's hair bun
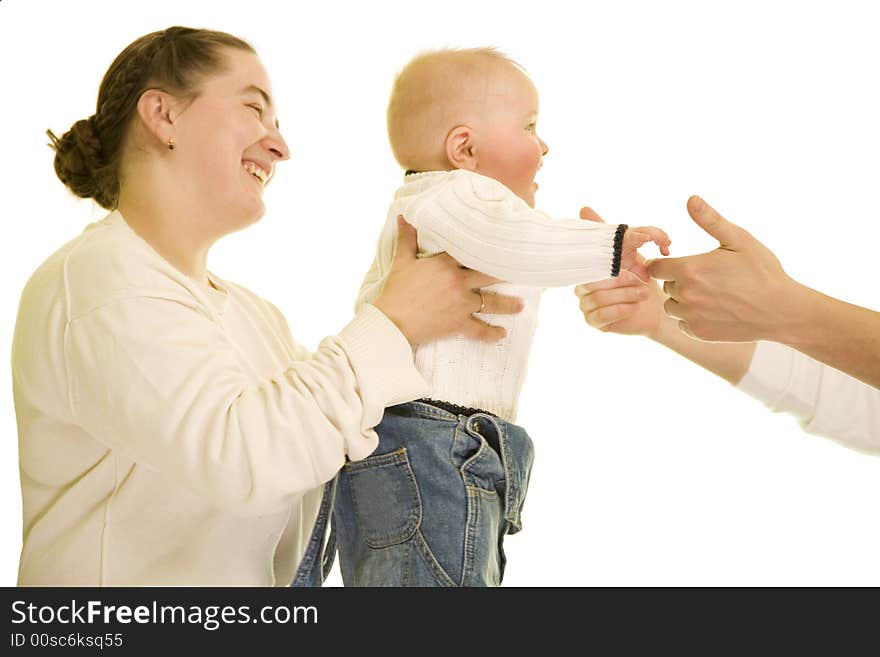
88	157
79	160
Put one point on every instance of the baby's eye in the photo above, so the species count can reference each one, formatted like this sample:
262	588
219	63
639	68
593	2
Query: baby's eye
258	109
531	127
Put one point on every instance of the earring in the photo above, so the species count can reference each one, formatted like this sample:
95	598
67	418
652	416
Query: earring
170	144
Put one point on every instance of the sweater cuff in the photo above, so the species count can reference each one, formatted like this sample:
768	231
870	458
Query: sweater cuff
778	377
382	360
618	249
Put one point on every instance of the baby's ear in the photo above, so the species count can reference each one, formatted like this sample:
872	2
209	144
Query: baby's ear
460	149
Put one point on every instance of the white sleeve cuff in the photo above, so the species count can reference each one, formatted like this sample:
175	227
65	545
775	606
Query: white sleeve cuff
382	361
785	380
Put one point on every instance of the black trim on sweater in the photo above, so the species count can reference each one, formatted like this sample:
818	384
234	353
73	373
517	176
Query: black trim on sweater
618	247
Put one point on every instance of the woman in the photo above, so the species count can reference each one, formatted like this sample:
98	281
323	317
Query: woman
171	430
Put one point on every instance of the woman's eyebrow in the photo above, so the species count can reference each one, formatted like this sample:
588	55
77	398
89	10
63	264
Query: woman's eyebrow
252	88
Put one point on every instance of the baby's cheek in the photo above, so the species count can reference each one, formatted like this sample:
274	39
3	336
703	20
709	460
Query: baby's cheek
529	162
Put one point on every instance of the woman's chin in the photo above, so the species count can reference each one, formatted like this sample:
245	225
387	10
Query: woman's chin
257	214
243	217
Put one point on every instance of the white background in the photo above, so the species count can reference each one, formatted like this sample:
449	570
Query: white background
649	470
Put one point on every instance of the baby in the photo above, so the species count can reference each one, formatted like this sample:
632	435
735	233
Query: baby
447	482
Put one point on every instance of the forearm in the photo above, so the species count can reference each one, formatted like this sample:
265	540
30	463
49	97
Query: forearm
825	402
729	360
839	334
187	404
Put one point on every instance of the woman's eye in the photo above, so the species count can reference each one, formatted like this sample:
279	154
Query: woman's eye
257	109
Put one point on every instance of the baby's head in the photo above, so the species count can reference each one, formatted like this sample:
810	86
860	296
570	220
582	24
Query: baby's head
471	109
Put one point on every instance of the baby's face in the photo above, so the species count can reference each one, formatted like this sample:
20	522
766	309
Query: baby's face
508	146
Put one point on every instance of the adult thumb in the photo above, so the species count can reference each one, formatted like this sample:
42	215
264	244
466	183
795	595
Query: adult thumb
589	214
407	240
707	218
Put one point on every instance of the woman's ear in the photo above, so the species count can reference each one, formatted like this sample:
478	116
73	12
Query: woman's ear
157	111
460	148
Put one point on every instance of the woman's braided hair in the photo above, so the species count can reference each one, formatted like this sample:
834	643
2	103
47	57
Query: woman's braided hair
87	156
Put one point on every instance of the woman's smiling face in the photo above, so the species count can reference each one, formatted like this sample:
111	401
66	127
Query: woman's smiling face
227	142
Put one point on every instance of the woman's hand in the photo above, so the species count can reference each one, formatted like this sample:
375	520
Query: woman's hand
628	306
736	293
624	304
431	298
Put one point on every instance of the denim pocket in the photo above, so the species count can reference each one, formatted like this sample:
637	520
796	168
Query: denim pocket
385	498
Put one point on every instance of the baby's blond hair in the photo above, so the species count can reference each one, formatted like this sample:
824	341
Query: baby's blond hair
436	91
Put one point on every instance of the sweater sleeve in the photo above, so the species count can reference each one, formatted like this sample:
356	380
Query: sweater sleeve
159	381
483	225
825	401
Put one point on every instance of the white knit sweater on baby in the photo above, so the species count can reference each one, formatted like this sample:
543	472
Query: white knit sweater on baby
485	226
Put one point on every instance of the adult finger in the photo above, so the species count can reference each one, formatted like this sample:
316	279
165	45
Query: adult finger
673	309
625	279
407	241
684	328
707	218
472	279
589	214
604	317
498	304
613	297
665	269
670	289
477	279
479	330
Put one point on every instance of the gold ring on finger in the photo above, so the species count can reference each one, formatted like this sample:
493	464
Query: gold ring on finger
482	301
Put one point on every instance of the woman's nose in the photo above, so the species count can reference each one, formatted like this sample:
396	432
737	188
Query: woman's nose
276	145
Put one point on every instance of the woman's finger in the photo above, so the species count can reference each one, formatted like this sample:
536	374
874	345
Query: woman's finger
616	296
479	330
474	280
625	279
498	304
672	308
606	316
589	214
407	241
684	328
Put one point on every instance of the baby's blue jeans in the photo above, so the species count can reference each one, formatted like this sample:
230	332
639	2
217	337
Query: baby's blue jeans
433	504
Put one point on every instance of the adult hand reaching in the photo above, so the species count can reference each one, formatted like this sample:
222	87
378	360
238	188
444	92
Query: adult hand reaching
431	298
624	304
630	306
740	293
736	293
